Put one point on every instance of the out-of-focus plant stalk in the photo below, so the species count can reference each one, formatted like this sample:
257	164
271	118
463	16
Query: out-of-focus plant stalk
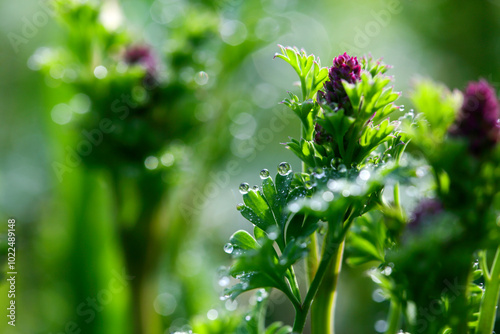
488	310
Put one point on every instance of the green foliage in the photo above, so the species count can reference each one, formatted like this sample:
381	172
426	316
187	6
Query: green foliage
309	70
257	264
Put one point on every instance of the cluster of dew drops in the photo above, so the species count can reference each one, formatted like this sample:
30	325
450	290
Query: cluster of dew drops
284	169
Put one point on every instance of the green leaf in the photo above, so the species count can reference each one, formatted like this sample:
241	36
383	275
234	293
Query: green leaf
243	240
309	70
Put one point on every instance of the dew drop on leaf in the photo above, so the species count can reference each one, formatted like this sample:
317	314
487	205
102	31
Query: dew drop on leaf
256	188
244	188
284	168
342	168
319	173
272	233
228	248
264	174
240	207
224	281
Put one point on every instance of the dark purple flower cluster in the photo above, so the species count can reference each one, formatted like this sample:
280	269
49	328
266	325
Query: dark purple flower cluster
478	117
345	68
143	56
425	209
334	95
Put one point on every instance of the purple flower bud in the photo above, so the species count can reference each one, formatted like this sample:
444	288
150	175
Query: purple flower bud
425	210
143	56
345	68
478	117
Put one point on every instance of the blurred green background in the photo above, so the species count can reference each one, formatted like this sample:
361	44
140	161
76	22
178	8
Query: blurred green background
225	127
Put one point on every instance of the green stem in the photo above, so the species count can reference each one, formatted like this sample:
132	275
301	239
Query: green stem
321	296
397	200
322	309
312	258
394	317
488	310
312	255
303	87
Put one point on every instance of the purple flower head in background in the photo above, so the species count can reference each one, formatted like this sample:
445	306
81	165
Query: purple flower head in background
424	210
143	56
345	68
477	120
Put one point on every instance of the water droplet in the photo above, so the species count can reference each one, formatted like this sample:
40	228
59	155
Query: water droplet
364	175
201	78
240	207
212	314
421	171
378	296
316	205
224	297
165	304
261	295
381	326
264	174
284	168
387	157
328	196
61	114
342	168
294	207
167	159
387	271
228	248
256	188
231	305
402	108
100	72
224	281
333	185
248	318
475	266
333	164
244	188
151	162
319	173
272	233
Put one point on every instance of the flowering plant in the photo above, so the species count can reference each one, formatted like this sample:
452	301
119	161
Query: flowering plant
349	202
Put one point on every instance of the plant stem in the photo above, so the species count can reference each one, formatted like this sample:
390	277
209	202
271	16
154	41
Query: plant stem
394	317
312	255
328	269
488	310
312	258
322	309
